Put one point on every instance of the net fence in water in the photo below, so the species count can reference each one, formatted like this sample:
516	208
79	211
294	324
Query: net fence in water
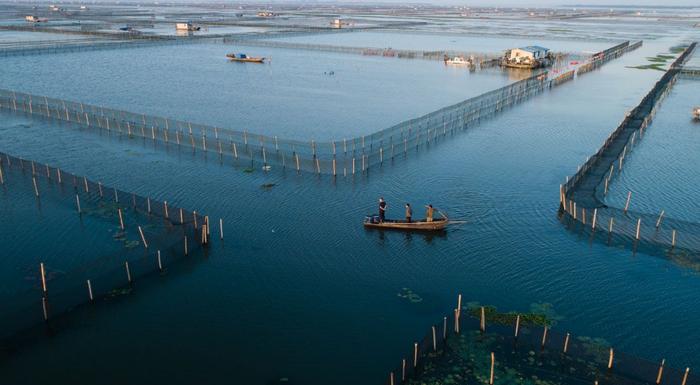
343	157
152	235
582	196
472	350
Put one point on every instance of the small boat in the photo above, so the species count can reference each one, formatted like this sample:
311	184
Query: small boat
372	221
458	61
241	57
696	113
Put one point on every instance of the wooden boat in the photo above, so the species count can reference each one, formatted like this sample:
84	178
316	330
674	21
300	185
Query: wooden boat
372	221
243	58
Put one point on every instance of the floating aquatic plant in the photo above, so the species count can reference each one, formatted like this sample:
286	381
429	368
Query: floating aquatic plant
409	295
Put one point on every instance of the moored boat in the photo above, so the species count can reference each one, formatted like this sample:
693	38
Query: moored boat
458	60
241	57
372	221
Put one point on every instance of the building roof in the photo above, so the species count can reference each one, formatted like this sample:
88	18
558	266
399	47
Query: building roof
534	48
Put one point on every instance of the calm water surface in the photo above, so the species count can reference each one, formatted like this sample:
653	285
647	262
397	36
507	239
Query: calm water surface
294	97
300	290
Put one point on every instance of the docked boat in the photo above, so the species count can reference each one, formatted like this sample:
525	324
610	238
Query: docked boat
458	61
372	221
241	57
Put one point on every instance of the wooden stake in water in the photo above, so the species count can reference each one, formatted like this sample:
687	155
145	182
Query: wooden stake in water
89	286
415	355
36	189
160	263
610	360
77	201
128	272
595	218
444	328
459	303
566	343
610	226
482	325
456	321
661	371
186	251
517	325
627	204
165	209
2	180
673	238
685	376
121	218
434	340
639	225
42	270
403	370
493	365
544	336
221	228
391	378
143	238
658	221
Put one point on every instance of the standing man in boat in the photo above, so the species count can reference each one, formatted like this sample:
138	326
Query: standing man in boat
409	212
429	213
382	209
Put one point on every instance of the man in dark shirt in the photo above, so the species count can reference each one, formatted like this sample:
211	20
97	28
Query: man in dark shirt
382	209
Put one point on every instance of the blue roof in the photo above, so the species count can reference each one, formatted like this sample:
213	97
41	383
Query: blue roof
534	48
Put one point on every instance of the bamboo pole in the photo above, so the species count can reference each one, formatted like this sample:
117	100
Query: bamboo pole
639	224
595	218
544	336
459	303
415	355
89	286
391	378
143	238
517	325
610	360
160	262
566	343
493	364
128	272
77	201
456	321
121	219
221	228
627	204
434	339
444	328
610	226
36	189
403	370
658	221
42	270
2	180
482	325
673	238
186	251
660	372
685	376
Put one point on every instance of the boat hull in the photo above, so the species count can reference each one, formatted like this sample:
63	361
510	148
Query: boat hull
436	225
247	59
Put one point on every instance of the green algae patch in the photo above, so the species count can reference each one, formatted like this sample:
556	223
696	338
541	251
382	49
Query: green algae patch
409	295
540	314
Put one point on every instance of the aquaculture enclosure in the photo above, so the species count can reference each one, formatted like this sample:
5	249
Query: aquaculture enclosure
79	241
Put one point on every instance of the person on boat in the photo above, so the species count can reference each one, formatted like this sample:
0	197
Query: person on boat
382	209
429	213
409	212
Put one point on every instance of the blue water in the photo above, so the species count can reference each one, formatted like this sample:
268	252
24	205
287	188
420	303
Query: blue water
300	290
662	166
293	97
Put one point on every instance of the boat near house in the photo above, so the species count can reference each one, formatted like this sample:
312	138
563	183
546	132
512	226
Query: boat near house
458	61
188	26
529	57
35	19
241	57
